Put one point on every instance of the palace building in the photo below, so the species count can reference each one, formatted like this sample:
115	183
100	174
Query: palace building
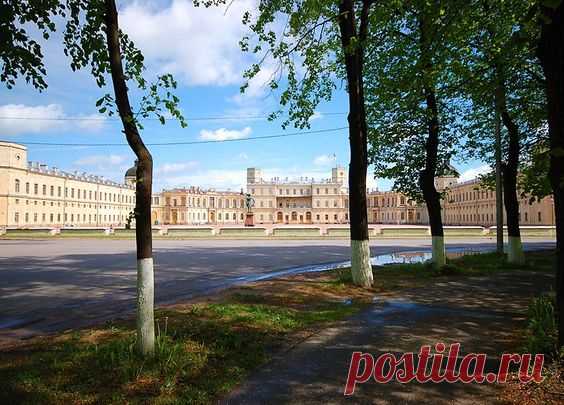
35	195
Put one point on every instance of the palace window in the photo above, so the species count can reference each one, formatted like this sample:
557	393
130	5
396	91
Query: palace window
27	188
52	191
17	186
36	188
17	217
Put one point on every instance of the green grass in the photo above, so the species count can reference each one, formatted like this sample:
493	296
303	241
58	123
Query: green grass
411	275
202	352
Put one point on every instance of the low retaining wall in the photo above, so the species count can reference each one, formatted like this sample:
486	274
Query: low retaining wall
249	231
344	232
529	230
189	232
305	232
464	231
415	231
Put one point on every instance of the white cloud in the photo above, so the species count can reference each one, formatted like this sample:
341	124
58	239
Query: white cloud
101	160
16	119
223	134
473	173
215	178
199	45
324	160
316	116
243	156
19	118
169	168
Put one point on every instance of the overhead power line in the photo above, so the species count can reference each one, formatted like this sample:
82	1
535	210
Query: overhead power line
178	143
110	119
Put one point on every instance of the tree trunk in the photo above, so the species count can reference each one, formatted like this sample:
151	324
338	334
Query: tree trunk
361	267
514	248
427	175
143	185
551	55
498	186
515	253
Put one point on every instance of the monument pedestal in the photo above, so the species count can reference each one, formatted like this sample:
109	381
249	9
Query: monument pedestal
249	219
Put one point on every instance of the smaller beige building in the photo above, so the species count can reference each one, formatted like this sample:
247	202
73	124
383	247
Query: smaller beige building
34	195
196	206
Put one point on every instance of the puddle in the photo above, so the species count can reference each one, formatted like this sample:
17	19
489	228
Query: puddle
378	260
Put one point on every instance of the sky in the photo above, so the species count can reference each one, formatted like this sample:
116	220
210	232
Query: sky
200	47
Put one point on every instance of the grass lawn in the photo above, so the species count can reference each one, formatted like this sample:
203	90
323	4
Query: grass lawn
203	349
410	275
206	347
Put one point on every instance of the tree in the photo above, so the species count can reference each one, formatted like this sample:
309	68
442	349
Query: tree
413	105
93	38
550	52
328	38
501	78
20	52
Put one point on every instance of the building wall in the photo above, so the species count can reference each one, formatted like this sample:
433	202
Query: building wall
306	201
303	201
35	195
195	206
469	204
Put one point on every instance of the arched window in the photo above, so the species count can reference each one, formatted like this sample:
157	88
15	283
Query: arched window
17	185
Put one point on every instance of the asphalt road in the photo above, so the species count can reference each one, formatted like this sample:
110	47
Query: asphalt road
52	285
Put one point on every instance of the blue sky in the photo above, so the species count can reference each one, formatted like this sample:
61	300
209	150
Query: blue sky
200	47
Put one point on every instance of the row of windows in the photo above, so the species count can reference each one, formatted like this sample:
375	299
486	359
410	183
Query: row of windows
393	216
72	218
80	193
485	217
66	204
295	217
472	195
293	191
203	203
387	201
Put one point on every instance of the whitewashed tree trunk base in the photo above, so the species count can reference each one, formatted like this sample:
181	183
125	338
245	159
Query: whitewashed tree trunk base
515	253
361	268
145	303
439	255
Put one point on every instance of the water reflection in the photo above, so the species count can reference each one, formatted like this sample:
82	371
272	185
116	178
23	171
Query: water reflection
378	260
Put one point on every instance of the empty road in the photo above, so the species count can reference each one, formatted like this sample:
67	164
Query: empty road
52	285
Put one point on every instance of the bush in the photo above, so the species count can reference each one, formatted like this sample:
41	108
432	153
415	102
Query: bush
542	331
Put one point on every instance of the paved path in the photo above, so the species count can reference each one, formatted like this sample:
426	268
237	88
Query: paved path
481	313
51	285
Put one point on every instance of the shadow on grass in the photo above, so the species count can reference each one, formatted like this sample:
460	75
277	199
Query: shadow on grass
202	351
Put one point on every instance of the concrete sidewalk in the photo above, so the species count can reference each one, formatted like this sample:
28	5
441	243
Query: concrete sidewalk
482	313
